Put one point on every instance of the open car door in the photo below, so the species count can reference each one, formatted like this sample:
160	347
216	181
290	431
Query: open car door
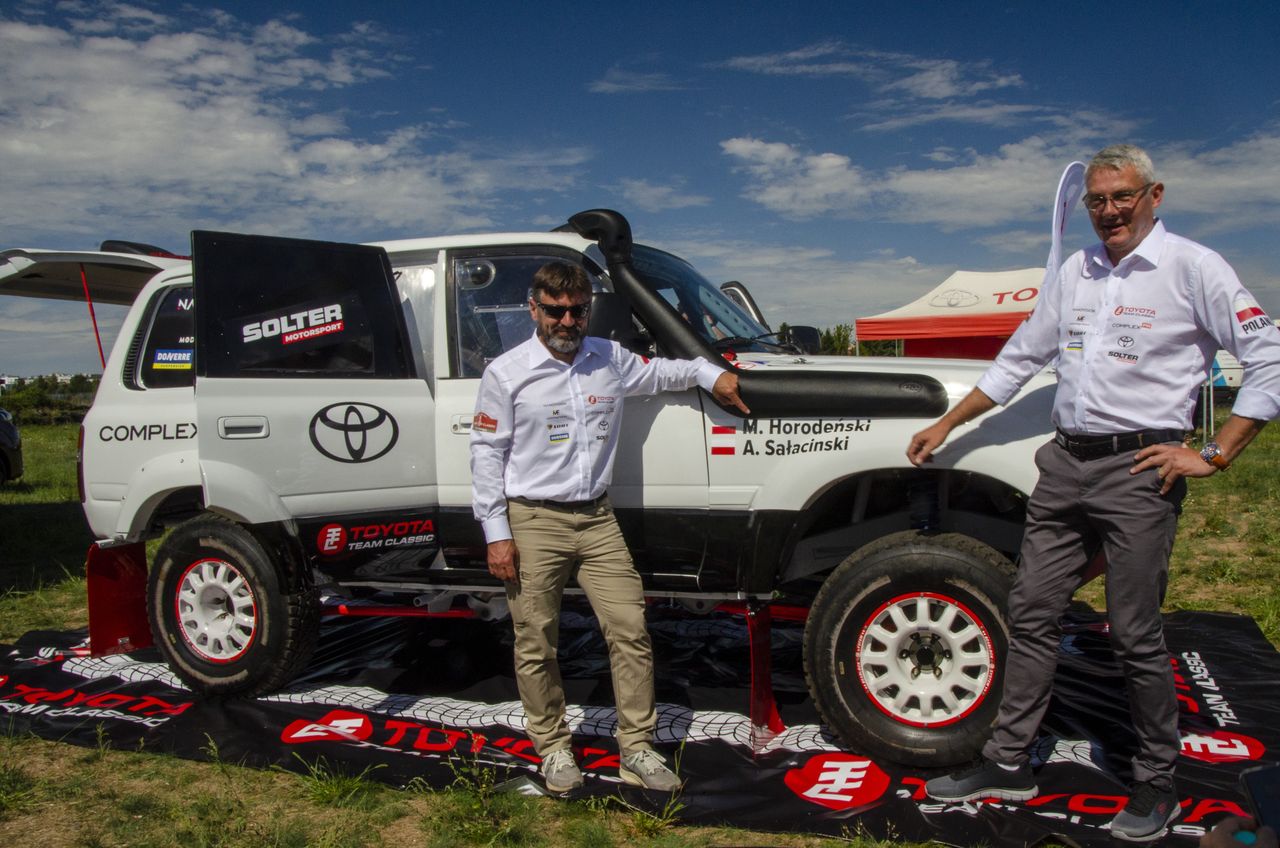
308	406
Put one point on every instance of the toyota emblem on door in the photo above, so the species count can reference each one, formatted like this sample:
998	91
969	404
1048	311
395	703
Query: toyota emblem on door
354	432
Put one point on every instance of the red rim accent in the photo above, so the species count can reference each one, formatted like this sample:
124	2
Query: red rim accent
986	638
177	612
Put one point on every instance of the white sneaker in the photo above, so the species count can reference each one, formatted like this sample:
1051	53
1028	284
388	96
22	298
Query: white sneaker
647	769
560	771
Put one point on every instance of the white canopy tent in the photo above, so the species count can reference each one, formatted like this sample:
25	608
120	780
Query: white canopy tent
968	315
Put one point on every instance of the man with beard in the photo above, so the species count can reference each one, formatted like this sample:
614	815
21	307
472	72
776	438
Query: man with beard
542	446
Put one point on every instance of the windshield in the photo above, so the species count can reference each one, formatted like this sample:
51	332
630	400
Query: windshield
718	320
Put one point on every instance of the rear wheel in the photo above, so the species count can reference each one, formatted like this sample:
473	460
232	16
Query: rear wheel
229	619
905	644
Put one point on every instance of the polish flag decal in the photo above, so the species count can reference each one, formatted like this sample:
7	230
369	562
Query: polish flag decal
724	441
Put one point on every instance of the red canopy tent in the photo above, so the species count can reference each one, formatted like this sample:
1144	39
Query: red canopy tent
969	315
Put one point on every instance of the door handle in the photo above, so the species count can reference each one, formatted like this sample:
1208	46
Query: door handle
244	427
460	425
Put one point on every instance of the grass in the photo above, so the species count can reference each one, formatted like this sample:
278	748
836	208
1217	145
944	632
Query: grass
42	573
59	795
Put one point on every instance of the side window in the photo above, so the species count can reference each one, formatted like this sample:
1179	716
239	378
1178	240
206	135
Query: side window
167	358
273	307
491	303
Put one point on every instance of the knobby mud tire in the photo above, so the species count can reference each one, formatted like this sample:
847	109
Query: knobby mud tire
229	619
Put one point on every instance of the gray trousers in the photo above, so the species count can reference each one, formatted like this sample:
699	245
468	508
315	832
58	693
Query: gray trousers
1077	506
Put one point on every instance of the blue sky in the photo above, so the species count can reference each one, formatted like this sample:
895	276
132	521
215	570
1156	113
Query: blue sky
839	158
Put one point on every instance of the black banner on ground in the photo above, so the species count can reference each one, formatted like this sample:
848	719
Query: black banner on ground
416	698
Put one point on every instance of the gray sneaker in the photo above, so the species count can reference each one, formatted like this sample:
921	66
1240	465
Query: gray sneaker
1147	815
647	769
985	780
560	771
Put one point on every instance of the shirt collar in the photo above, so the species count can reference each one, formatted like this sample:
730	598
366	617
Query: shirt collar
1148	250
539	354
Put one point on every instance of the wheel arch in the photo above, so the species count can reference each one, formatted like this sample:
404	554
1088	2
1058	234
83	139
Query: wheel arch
172	482
240	495
859	509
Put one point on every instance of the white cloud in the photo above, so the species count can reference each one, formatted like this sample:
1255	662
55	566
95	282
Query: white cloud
41	337
1010	190
652	197
985	114
938	79
1013	185
796	184
619	81
887	72
1237	185
149	127
826	59
804	285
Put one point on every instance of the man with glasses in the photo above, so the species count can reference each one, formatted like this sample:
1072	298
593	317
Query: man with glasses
1133	323
542	447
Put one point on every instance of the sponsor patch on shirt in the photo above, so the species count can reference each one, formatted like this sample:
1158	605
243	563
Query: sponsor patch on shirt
1250	315
1075	344
481	421
558	427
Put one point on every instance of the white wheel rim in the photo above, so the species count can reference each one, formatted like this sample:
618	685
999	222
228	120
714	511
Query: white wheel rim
925	659
216	611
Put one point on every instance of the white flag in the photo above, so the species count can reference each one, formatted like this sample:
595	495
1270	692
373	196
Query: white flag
1070	189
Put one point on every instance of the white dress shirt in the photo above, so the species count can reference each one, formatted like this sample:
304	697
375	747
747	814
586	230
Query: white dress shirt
1135	341
547	430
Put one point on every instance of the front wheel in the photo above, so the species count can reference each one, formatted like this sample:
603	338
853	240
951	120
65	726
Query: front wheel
905	644
229	620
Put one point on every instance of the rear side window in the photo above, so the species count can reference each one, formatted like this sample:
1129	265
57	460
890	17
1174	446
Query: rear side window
168	355
286	307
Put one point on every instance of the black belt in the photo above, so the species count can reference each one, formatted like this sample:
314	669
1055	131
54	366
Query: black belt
563	506
1094	447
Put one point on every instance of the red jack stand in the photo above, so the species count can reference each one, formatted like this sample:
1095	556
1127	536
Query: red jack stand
765	721
763	709
117	589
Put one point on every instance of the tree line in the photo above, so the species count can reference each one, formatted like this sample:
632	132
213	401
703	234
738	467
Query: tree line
838	341
49	400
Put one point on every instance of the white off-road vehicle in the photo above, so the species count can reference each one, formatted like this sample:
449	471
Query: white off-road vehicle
292	418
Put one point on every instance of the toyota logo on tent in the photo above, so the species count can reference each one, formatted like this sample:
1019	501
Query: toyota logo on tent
354	432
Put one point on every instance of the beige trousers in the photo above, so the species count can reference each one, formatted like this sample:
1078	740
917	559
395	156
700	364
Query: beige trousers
552	543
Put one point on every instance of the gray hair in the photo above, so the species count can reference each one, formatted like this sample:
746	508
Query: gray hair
1117	157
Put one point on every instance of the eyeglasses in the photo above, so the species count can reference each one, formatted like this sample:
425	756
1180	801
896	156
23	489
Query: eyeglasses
557	313
1121	199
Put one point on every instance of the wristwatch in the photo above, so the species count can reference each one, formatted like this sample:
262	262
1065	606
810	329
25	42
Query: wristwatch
1212	454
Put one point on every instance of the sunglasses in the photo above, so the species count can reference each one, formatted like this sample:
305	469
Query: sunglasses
557	313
